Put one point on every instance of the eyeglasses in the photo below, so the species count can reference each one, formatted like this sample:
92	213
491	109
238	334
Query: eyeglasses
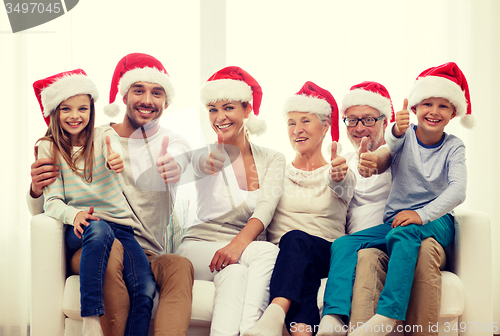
367	122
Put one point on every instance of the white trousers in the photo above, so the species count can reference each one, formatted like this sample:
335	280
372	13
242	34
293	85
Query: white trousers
241	289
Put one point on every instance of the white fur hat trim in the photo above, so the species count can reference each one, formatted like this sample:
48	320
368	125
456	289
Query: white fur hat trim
225	89
64	88
363	97
439	87
150	75
304	103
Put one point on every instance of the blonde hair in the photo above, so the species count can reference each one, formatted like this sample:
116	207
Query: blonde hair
61	143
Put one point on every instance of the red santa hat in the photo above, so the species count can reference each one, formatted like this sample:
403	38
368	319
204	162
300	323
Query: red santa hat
444	81
372	94
137	67
314	99
53	90
232	83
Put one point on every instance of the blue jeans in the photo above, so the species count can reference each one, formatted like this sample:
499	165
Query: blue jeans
302	262
402	244
96	243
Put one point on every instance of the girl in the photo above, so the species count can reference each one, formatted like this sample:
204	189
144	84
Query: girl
87	197
235	205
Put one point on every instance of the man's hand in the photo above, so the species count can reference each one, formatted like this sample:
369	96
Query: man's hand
226	256
115	161
214	162
402	121
167	167
338	169
367	163
43	173
406	217
81	221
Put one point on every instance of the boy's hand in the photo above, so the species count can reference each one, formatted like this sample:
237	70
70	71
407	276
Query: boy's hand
167	166
214	162
406	217
367	165
402	121
115	161
338	169
81	221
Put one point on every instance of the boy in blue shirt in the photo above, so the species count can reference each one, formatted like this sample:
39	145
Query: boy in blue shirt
428	182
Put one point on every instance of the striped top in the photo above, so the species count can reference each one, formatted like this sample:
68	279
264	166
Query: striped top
70	193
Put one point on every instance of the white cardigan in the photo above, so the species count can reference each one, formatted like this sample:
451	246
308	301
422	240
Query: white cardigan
222	211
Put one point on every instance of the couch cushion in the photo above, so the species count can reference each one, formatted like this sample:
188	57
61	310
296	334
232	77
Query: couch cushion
203	302
201	314
452	295
71	298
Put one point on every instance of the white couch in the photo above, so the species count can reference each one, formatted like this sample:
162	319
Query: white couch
466	294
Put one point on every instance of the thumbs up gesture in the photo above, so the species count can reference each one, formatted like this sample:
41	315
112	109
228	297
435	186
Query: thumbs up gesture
214	162
368	161
115	161
338	169
402	121
167	166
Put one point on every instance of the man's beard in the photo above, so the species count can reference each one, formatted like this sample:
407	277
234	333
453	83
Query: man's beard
373	144
133	122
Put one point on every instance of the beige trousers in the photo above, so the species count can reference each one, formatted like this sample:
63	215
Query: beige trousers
174	278
425	298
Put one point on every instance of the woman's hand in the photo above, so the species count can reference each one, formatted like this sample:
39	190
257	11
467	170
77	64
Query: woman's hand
406	217
81	221
115	161
226	256
214	162
338	169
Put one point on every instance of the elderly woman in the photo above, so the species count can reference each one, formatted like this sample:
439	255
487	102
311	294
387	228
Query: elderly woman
310	215
239	185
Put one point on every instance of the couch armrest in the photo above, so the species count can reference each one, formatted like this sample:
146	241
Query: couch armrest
472	262
48	272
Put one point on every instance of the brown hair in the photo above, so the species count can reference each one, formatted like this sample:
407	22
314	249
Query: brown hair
61	143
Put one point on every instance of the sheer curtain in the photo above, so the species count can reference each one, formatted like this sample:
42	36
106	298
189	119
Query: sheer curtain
282	43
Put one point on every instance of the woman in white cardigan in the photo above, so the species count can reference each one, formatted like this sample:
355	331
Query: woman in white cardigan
310	215
239	185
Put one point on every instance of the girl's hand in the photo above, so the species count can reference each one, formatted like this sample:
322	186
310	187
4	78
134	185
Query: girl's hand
213	163
81	221
115	161
338	169
402	121
225	256
406	217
